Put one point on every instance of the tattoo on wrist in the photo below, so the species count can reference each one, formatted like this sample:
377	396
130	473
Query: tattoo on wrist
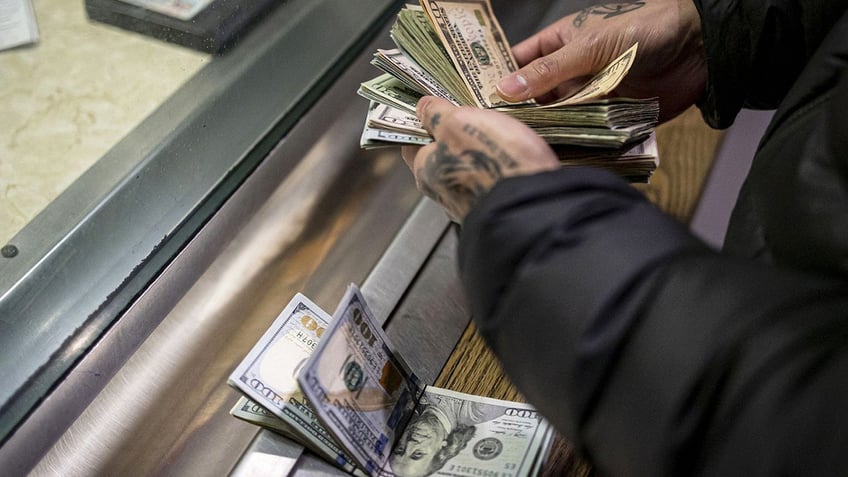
608	10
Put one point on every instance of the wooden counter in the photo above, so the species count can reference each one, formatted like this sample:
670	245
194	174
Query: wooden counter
687	148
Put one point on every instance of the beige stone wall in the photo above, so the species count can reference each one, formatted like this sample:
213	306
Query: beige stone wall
68	99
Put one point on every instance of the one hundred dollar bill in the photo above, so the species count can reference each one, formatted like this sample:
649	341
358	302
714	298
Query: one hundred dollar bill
386	126
393	119
358	384
268	375
456	434
374	406
249	411
386	89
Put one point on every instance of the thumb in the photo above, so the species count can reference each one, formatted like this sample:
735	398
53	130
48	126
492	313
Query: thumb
545	73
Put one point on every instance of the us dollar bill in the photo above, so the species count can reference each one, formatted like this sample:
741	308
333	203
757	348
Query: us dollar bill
361	389
375	138
476	44
393	119
603	83
634	163
249	411
268	376
373	404
386	126
457	434
386	89
416	38
404	68
457	50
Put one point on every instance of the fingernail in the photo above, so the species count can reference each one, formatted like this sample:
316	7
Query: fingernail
513	86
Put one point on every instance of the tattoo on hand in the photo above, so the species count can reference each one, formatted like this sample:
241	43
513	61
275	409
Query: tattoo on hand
608	10
434	121
490	144
463	178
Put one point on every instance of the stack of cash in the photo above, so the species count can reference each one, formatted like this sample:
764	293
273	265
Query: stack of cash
339	387
457	50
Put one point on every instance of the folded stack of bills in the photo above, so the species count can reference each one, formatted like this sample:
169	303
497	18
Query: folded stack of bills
339	387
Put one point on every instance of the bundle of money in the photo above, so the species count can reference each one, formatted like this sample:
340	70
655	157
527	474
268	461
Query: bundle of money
339	387
457	50
268	378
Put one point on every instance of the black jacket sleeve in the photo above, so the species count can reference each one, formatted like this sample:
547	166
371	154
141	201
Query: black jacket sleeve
653	353
756	49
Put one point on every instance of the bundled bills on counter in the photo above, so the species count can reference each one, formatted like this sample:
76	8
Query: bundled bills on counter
339	387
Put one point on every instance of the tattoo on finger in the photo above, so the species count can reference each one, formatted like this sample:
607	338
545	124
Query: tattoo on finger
434	120
495	150
608	10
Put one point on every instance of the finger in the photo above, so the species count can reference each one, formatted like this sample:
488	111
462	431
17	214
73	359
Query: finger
408	154
562	90
544	42
546	73
528	50
567	88
430	111
417	164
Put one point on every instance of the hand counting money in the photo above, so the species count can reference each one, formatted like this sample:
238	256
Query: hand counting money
457	50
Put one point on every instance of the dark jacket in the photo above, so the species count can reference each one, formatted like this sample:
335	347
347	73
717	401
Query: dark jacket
655	354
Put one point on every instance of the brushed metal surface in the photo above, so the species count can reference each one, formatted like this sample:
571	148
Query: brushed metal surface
385	286
269	455
432	314
166	411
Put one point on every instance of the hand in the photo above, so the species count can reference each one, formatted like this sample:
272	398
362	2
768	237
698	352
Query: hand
670	64
473	149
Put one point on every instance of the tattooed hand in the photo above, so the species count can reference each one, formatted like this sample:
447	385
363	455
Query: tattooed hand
670	63
473	149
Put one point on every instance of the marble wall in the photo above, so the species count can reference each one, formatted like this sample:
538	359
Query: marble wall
68	99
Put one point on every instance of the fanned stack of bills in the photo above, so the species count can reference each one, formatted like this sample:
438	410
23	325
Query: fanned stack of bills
339	387
268	379
457	50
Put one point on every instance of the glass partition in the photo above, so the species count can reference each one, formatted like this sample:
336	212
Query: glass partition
71	96
117	142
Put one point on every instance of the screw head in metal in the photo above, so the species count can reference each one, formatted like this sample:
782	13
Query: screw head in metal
9	251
